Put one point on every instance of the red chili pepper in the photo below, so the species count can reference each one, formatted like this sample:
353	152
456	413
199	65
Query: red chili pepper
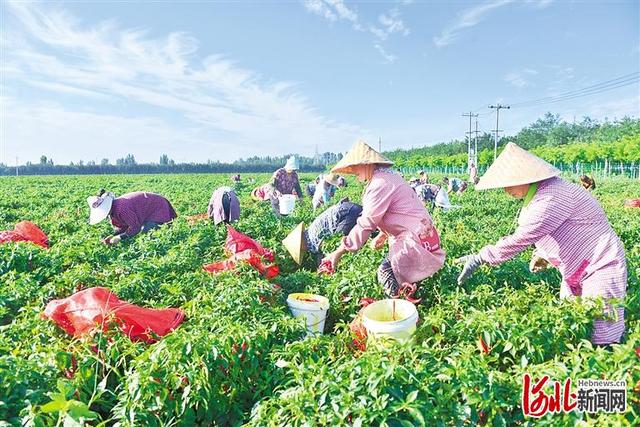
482	346
326	268
308	300
366	301
638	351
407	290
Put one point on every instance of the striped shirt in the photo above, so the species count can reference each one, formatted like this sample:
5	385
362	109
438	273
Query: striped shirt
130	211
570	230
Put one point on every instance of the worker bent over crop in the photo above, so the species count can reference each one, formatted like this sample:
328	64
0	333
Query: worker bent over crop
130	213
569	230
391	205
338	219
224	206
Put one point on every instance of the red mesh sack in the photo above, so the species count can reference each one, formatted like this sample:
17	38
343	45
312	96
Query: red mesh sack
220	266
632	203
238	242
94	308
25	231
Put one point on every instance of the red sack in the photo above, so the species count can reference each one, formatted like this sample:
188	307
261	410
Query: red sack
220	266
25	231
93	308
632	203
238	242
241	247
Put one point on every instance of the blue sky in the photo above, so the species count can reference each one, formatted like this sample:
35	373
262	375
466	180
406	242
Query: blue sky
222	80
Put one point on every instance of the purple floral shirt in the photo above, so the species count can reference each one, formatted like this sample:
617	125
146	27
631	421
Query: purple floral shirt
130	211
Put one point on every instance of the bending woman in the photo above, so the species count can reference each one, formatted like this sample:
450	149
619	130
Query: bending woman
569	230
390	204
130	213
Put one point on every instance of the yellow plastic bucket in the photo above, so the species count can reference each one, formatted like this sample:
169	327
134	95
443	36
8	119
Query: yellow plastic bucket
390	319
313	308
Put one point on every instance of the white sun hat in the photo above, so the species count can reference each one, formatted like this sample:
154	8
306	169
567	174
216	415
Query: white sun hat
292	164
516	166
100	207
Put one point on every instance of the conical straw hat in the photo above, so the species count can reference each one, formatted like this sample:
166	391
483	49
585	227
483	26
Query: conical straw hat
295	243
360	154
515	166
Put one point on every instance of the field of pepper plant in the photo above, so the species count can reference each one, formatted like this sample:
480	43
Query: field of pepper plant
240	358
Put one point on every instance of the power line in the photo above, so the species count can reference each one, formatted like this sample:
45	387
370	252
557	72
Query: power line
605	86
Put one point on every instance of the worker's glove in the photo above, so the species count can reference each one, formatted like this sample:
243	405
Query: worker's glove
471	264
538	264
114	240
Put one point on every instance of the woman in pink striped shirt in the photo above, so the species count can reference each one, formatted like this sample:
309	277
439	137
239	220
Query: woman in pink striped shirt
569	230
390	205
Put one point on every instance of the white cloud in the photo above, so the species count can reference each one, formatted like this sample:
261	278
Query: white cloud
389	22
333	10
106	67
468	19
387	56
520	79
392	23
471	17
516	79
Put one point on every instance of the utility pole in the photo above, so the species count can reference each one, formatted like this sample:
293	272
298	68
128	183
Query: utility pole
470	115
379	145
497	108
475	145
16	165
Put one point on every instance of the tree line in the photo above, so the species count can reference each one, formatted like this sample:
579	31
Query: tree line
609	147
129	165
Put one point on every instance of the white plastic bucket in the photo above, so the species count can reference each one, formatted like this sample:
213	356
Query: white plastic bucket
393	319
313	308
287	203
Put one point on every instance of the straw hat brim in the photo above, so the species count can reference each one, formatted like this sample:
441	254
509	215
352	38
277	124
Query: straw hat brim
516	166
331	179
360	154
295	244
99	213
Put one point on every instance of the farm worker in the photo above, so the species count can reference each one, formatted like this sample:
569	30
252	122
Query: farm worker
338	219
569	230
262	193
325	190
473	173
285	181
130	213
224	206
427	193
588	182
311	187
390	204
423	177
455	185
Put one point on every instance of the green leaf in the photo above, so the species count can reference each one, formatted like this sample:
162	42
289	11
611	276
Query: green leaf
79	410
53	406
